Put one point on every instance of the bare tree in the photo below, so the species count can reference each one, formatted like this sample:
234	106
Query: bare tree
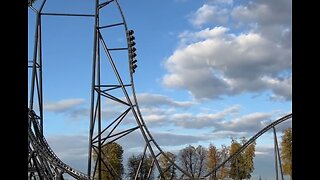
193	160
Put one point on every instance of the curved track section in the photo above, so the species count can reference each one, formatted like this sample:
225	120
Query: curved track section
41	146
251	140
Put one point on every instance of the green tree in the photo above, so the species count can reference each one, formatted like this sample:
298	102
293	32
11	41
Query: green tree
112	157
168	169
242	165
286	152
193	159
146	167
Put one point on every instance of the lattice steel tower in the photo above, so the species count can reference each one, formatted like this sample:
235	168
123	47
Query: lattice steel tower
114	86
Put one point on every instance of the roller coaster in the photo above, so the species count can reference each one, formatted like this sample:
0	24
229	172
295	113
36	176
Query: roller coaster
43	163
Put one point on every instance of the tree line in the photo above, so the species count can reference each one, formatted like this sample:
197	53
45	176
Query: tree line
197	161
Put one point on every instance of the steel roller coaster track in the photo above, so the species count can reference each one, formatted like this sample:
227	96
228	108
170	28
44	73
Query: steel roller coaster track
43	162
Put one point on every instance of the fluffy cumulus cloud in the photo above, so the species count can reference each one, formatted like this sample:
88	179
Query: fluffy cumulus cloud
272	18
227	64
218	61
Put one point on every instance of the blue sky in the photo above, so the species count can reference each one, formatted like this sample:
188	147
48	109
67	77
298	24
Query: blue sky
207	71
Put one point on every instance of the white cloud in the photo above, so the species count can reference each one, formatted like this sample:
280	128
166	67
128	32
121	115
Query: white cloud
187	37
154	120
281	86
229	2
218	63
270	18
209	14
182	117
265	12
220	124
201	120
157	100
63	105
248	123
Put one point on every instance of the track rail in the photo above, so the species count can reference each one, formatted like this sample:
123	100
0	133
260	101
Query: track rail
251	140
41	145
